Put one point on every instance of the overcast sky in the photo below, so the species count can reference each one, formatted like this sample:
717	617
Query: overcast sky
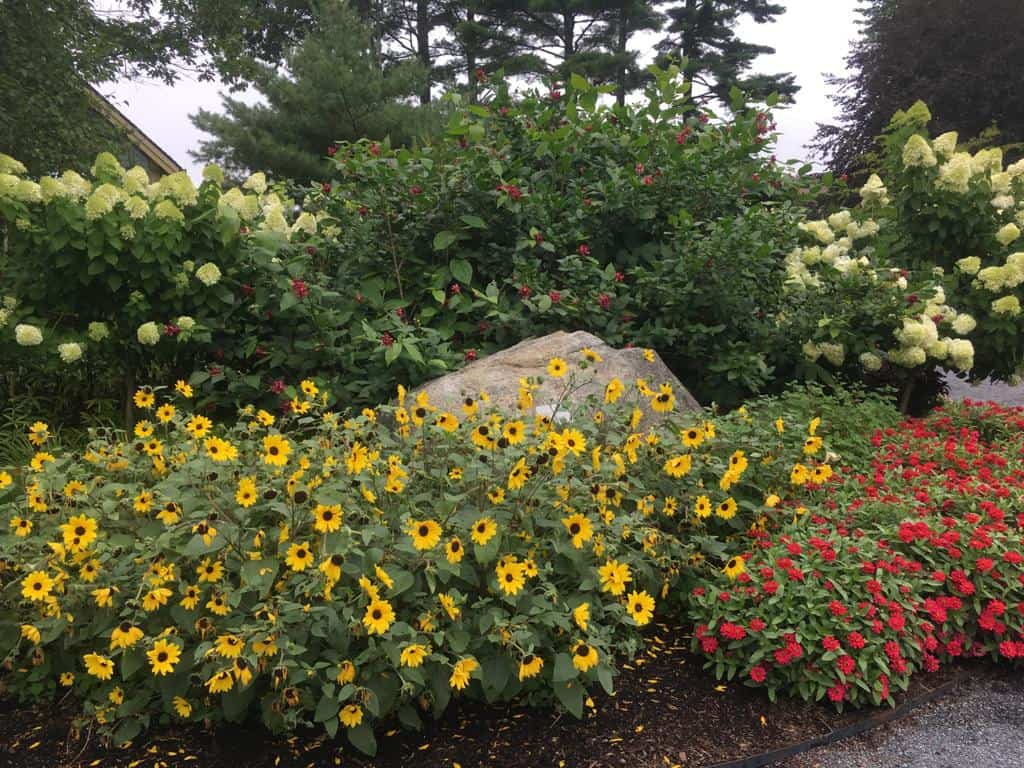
811	39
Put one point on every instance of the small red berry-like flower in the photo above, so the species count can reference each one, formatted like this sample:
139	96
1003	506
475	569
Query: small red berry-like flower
386	339
326	187
214	370
538	238
170	329
243	230
311	250
503	111
587	202
556	94
483	326
470	355
415	190
683	135
300	288
455	288
260	352
604	300
400	313
277	386
639	168
584	249
480	74
363	210
555	296
375	149
332	151
524	291
620	277
647	180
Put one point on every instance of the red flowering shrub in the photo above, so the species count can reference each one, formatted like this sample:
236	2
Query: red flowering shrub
905	567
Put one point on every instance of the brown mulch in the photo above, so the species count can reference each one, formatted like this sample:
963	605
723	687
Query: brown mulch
667	712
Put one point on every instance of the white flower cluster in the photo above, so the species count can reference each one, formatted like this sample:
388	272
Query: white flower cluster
208	274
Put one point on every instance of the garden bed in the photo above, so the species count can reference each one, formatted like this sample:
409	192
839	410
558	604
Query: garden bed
667	711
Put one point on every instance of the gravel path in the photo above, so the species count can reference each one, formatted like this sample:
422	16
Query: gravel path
979	725
986	390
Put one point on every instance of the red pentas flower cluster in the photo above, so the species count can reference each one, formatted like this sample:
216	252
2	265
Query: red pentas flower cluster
900	567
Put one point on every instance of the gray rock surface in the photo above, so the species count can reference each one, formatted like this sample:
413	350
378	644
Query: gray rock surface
499	375
978	725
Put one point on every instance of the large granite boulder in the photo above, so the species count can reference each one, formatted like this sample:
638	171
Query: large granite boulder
499	375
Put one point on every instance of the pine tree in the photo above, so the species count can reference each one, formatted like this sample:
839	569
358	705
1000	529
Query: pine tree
961	57
334	90
702	32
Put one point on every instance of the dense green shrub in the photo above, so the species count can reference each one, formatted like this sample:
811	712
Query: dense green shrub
655	225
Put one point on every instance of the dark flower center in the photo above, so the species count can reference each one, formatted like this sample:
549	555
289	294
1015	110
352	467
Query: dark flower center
424	530
162	656
582	650
574	528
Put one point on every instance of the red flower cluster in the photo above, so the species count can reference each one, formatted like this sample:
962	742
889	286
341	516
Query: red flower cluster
900	568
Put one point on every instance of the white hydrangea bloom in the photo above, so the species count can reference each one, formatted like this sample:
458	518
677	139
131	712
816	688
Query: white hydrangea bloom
102	201
820	230
834	353
148	334
964	324
208	274
939	350
214	174
28	192
908	357
5	317
186	323
27	335
1008	234
1003	202
839	221
811	351
868	228
69	352
1015	170
874	191
76	186
179	187
871	361
257	183
945	145
107	165
969	265
274	221
1007	305
917	153
1001	182
955	175
987	161
961	352
305	223
10	302
137	207
11	166
136	180
52	189
97	331
168	211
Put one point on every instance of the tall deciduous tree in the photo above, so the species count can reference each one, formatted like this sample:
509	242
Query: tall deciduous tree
333	88
961	57
703	33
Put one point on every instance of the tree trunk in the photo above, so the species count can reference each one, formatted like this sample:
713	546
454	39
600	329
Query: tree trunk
568	38
620	51
423	44
470	48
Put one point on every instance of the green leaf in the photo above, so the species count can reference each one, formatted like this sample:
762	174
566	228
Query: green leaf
473	221
326	709
571	697
579	83
361	737
564	669
443	239
461	270
773	99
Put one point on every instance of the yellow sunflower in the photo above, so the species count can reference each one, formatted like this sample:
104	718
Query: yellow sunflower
379	617
163	656
641	607
483	531
584	656
299	557
425	534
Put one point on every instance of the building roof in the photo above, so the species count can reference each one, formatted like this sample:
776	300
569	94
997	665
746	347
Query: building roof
157	156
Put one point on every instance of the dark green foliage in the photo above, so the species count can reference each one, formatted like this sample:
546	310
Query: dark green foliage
334	90
701	38
958	56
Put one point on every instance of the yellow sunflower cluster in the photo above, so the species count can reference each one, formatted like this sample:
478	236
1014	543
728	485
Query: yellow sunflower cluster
343	568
